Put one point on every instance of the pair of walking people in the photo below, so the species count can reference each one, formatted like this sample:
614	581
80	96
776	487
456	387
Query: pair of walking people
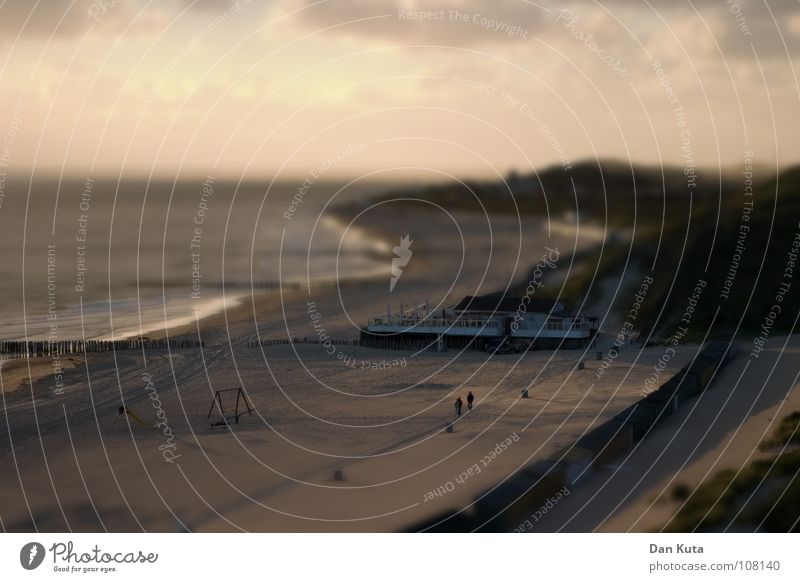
460	403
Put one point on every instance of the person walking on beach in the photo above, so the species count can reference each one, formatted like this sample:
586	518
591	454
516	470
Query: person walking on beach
459	404
470	400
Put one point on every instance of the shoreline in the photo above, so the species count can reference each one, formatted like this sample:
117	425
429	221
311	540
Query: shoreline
143	316
221	311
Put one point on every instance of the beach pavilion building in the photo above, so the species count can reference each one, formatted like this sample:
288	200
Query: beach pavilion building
476	320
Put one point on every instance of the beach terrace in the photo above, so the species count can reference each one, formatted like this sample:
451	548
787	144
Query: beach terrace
540	323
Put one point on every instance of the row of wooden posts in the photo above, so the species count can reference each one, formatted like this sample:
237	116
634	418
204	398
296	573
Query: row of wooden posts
20	349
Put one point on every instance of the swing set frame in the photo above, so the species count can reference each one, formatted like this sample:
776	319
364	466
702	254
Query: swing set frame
217	401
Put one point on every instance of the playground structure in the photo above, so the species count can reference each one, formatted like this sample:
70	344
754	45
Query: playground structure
241	399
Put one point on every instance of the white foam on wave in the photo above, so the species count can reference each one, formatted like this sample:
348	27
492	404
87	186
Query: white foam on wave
119	319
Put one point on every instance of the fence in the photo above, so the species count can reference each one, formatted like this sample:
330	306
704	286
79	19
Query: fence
40	348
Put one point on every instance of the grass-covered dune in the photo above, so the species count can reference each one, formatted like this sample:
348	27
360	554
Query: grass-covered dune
732	230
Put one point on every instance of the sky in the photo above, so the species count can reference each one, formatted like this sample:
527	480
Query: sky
383	88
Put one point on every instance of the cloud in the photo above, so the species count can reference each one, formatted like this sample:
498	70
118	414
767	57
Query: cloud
446	22
737	26
64	18
760	27
45	18
734	24
213	5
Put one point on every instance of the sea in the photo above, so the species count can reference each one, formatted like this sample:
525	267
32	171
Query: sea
103	258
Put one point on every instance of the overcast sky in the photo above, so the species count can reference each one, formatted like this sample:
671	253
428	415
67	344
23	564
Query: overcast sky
467	88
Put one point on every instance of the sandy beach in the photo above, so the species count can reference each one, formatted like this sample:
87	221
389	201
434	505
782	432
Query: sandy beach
275	471
345	439
341	437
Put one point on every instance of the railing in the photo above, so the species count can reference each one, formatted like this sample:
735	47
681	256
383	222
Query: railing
430	322
567	325
575	324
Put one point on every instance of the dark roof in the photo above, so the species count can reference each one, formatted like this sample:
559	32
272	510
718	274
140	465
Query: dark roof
500	303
